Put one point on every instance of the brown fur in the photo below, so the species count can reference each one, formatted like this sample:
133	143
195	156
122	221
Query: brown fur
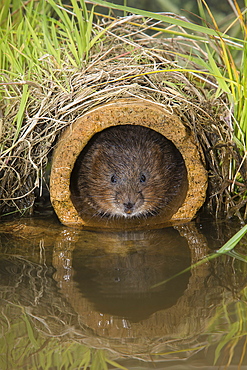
130	171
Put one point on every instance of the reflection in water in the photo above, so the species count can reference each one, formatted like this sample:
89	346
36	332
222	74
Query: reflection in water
66	294
25	282
121	284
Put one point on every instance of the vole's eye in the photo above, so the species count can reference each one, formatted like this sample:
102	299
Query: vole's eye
143	178
113	179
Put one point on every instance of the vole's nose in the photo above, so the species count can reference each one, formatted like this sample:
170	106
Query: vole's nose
128	207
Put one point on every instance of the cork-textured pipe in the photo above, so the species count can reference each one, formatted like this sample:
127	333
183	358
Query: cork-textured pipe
120	112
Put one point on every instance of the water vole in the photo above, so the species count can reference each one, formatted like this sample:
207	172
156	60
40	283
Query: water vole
129	172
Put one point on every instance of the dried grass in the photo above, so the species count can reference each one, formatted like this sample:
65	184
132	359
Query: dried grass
128	62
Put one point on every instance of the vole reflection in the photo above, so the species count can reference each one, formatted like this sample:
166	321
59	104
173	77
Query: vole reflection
120	281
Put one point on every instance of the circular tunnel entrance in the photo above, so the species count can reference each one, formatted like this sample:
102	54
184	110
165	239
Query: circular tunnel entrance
84	154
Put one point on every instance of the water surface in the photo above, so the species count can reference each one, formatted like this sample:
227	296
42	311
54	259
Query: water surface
98	299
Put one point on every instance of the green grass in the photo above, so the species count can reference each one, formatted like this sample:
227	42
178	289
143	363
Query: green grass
43	32
38	40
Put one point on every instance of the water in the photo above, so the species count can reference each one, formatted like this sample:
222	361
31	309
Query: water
99	299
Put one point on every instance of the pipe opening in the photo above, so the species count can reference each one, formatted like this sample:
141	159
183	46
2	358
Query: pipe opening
130	174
